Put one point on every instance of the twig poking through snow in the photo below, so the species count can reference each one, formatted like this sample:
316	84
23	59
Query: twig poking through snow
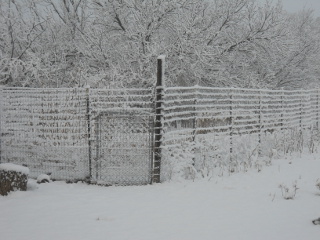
289	193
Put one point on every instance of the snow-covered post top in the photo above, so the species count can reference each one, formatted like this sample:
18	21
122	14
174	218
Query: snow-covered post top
14	168
161	62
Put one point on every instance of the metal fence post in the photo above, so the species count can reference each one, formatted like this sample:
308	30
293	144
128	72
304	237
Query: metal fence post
317	121
88	112
1	118
158	121
282	109
260	125
231	126
195	101
97	126
300	110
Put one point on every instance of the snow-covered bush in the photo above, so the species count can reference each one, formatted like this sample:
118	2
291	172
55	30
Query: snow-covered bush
178	162
43	178
211	158
289	141
245	152
313	140
209	155
13	177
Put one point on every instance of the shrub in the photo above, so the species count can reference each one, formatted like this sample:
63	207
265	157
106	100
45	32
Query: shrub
13	177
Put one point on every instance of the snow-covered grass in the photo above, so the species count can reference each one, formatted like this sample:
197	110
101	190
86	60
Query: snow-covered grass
246	206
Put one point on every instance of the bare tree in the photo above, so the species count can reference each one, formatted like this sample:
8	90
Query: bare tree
114	43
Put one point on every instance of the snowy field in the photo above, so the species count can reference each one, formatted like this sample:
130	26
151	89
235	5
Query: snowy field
246	206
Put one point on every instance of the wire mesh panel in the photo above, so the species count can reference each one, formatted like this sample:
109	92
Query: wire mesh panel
45	130
123	148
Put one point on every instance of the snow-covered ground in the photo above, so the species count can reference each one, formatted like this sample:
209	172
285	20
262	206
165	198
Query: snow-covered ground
246	206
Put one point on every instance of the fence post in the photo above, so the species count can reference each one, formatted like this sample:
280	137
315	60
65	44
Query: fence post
88	112
260	124
1	118
158	120
317	123
195	115
282	109
300	111
97	127
231	124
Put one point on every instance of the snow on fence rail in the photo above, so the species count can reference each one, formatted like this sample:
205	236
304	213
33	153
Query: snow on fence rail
113	99
197	110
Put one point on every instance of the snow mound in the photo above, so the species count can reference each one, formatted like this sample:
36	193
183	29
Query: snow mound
32	185
14	167
43	178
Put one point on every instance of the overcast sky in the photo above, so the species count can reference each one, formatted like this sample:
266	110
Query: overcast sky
296	5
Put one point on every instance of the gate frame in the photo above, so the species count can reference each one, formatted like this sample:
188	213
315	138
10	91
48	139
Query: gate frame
124	113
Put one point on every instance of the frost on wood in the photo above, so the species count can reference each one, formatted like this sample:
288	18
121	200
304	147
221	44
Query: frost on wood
13	177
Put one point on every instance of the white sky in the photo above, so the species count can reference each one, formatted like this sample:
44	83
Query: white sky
296	5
